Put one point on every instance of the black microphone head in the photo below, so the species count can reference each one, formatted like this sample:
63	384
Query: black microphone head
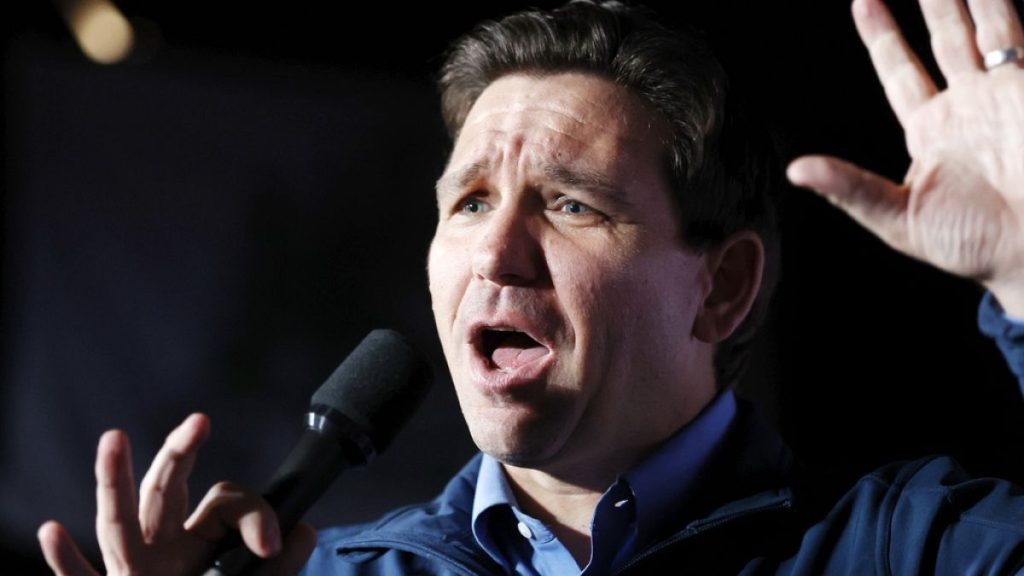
378	386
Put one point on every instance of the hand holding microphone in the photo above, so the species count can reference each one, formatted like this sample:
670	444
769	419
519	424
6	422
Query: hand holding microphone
354	415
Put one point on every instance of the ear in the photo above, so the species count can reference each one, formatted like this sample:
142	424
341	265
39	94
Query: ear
735	268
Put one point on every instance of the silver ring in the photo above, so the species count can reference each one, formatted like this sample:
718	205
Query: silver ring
997	58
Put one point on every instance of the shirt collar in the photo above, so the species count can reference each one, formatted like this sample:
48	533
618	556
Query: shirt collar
492	486
492	492
662	482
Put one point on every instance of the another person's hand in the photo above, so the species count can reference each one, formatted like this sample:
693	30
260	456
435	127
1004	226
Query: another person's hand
153	534
961	205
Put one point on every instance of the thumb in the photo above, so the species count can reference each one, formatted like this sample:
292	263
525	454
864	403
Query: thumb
877	203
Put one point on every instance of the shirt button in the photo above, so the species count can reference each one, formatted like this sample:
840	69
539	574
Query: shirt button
524	530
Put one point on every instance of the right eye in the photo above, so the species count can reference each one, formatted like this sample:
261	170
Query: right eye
471	205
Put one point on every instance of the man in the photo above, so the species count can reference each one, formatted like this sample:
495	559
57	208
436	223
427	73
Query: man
604	234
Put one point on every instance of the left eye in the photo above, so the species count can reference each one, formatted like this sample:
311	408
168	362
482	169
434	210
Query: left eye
574	207
567	205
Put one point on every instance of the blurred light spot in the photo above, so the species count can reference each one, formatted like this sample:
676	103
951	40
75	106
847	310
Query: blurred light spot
102	32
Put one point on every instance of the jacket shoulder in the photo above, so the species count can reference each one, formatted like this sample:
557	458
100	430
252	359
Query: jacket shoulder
917	517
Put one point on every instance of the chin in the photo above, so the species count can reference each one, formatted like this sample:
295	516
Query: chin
524	461
531	445
529	430
520	458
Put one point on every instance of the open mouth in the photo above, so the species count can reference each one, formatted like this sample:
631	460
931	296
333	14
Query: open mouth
510	349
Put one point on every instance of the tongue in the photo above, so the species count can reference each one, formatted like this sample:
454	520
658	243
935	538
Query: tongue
518	349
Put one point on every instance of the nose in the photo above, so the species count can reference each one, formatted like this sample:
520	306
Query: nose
508	253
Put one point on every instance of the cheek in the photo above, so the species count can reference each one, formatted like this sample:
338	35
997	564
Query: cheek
594	292
646	301
447	278
664	308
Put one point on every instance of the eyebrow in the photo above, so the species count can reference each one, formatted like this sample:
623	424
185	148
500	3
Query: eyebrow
582	179
461	178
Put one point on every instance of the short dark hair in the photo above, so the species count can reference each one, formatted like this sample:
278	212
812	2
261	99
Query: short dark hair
724	174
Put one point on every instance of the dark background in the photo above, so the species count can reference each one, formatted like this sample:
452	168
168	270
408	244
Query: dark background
215	223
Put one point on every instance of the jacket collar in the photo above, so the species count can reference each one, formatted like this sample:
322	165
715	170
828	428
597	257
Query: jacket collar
749	475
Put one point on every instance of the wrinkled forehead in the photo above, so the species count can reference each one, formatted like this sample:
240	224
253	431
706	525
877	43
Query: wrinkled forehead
567	117
566	98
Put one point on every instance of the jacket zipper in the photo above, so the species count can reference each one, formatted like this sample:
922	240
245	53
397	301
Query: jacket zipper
467	567
691	531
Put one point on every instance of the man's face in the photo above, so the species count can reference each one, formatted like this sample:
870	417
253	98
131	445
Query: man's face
563	296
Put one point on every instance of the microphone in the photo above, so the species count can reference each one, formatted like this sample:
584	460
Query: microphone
352	417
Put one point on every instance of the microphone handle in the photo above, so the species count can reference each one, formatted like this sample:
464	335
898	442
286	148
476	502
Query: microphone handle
306	473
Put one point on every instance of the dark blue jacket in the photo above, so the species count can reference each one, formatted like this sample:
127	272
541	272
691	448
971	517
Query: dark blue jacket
752	512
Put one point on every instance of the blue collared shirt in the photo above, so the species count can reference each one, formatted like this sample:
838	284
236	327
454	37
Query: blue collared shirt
632	512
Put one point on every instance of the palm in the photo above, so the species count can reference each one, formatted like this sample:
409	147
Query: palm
965	188
961	206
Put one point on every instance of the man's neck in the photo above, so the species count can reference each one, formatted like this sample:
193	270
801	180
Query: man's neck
564	498
564	495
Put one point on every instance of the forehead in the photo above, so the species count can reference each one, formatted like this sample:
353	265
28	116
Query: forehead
563	98
574	120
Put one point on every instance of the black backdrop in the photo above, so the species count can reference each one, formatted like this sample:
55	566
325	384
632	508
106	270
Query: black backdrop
212	225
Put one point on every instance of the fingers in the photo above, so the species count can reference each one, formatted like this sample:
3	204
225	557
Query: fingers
227	507
117	523
952	35
61	553
298	546
998	25
875	202
906	83
163	504
959	43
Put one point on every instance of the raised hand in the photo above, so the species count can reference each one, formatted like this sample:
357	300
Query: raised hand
153	534
961	205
